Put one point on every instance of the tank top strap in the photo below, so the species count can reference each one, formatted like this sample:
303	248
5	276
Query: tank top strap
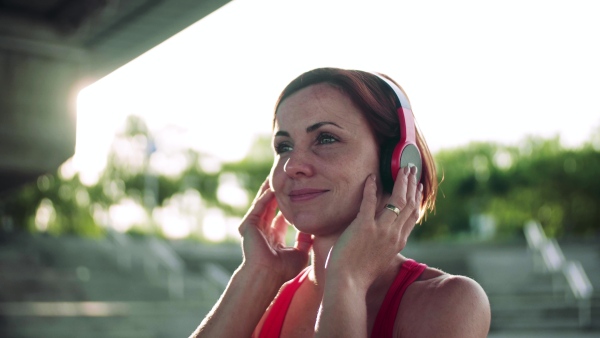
386	317
274	322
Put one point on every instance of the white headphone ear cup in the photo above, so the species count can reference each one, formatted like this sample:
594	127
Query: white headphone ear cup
411	156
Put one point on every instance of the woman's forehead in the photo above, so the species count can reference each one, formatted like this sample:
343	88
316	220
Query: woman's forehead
315	103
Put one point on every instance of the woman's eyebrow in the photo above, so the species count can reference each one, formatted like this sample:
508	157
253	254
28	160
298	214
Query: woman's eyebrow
319	125
309	129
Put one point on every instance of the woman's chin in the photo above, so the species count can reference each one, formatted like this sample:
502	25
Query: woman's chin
316	226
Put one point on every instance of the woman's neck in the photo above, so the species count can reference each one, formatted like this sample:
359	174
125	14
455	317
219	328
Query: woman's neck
322	246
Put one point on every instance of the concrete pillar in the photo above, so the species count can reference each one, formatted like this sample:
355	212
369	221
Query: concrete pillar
38	86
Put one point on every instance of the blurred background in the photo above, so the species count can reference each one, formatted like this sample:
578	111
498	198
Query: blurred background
134	134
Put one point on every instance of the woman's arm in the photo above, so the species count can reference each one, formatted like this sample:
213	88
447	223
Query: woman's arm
241	306
364	252
343	311
267	264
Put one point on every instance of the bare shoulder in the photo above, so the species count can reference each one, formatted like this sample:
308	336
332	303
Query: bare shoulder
444	305
444	286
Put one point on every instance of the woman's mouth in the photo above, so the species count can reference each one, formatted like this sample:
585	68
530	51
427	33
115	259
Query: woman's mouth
301	195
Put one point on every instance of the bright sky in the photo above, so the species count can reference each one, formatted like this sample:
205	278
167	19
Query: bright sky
474	70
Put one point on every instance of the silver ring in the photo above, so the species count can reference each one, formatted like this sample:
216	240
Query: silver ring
393	208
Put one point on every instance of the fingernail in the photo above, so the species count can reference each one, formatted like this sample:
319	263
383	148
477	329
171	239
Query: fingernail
372	176
304	238
420	186
406	170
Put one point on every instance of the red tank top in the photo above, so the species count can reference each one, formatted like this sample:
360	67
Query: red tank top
386	317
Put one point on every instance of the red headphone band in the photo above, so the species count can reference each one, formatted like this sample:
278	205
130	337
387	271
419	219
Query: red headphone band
408	134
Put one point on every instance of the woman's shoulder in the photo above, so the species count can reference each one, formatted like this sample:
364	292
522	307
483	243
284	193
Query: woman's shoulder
444	305
451	289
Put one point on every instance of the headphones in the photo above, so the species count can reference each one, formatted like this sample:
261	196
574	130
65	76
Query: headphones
404	153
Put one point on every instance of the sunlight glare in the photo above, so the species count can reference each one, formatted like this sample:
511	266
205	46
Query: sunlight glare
230	192
180	215
44	215
67	170
212	87
168	164
126	214
503	159
95	132
210	164
214	227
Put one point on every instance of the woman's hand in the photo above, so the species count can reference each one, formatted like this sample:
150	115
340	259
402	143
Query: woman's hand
263	239
268	263
363	252
366	247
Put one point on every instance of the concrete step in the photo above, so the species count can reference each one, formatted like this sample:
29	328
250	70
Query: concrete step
543	333
43	272
53	285
102	319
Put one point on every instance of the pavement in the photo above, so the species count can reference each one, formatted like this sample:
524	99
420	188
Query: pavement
545	334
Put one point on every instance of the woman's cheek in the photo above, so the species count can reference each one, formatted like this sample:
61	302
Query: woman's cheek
274	178
283	208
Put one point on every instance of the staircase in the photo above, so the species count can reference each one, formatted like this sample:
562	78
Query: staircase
524	302
74	287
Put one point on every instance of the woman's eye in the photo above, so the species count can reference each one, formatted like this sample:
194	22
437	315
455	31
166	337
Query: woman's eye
283	147
326	139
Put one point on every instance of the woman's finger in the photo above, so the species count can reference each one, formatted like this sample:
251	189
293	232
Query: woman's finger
264	186
279	228
397	199
411	190
403	194
304	241
258	201
269	212
260	206
413	216
368	206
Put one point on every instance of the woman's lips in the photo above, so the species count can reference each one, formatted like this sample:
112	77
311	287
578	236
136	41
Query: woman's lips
301	195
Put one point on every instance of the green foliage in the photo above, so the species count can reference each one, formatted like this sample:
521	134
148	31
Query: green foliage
67	203
536	179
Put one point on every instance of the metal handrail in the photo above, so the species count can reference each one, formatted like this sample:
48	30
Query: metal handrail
549	252
160	255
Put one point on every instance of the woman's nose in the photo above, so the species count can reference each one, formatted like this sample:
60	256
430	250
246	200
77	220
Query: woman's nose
298	165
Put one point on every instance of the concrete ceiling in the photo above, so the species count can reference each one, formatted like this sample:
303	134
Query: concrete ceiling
106	34
49	49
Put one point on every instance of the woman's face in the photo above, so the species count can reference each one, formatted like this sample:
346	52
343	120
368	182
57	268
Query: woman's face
324	152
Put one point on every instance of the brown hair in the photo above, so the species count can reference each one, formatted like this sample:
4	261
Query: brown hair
377	102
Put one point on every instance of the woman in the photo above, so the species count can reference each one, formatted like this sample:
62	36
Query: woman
330	127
